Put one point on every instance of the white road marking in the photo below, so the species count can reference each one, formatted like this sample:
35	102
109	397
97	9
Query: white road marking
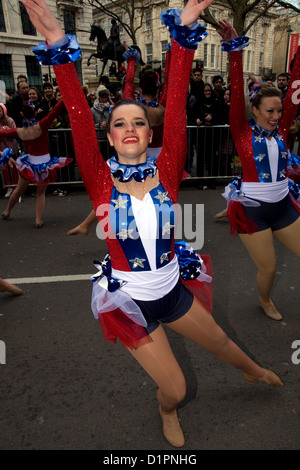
39	280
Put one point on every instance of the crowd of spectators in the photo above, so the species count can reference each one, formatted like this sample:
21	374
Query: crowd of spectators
210	148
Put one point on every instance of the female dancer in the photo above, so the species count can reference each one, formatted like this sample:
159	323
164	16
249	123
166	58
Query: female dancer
36	166
6	159
133	198
265	206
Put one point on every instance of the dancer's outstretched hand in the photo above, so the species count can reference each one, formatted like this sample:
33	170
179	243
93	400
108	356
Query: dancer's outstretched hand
43	20
226	30
192	10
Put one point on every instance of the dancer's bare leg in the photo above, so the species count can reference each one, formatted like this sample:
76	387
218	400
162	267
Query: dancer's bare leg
160	363
14	198
198	325
7	287
40	204
221	215
260	246
290	237
83	228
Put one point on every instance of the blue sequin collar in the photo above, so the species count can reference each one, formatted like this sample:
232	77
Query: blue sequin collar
126	173
260	130
32	122
153	103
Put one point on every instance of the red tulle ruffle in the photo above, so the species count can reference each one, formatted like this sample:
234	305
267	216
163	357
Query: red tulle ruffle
29	176
116	325
239	222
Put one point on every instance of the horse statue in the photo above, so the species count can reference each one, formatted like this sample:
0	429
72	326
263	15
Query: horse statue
107	48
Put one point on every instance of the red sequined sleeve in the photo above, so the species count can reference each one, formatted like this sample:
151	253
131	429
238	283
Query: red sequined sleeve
164	91
238	121
92	168
172	158
129	79
292	99
46	122
9	133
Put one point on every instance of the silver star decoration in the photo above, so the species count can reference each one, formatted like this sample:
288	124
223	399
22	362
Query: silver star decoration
265	175
261	156
164	257
137	262
120	203
124	234
258	138
282	174
167	228
162	196
284	154
279	137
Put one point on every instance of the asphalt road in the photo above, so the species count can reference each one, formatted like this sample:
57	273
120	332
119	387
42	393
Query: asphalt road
64	388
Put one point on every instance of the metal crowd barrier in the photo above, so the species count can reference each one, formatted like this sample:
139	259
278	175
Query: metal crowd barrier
211	154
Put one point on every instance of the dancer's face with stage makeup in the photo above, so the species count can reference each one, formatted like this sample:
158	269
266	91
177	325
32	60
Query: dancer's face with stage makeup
268	112
130	133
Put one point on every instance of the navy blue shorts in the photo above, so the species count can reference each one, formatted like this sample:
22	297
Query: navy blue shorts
167	309
274	215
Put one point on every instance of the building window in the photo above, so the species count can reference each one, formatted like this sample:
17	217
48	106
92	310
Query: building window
6	71
27	26
149	53
164	45
148	19
2	20
69	22
212	56
33	71
205	55
79	70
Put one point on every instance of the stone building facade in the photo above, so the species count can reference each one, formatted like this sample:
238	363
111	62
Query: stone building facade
18	37
153	38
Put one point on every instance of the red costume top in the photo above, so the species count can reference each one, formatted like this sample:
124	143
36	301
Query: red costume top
240	129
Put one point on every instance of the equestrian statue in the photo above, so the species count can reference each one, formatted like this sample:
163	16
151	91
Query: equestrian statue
109	48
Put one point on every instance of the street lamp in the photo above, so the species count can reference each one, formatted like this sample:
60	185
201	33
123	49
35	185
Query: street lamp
289	31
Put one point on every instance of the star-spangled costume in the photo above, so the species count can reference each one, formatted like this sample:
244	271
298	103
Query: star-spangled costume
264	160
142	263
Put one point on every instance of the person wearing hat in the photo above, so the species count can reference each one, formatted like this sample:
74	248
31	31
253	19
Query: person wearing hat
6	122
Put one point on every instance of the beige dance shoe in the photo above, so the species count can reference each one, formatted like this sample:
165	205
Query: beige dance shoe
270	310
171	428
269	377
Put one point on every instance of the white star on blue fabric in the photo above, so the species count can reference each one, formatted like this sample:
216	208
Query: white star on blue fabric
261	156
283	154
124	234
265	175
162	196
120	203
258	138
137	262
282	174
167	228
164	257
